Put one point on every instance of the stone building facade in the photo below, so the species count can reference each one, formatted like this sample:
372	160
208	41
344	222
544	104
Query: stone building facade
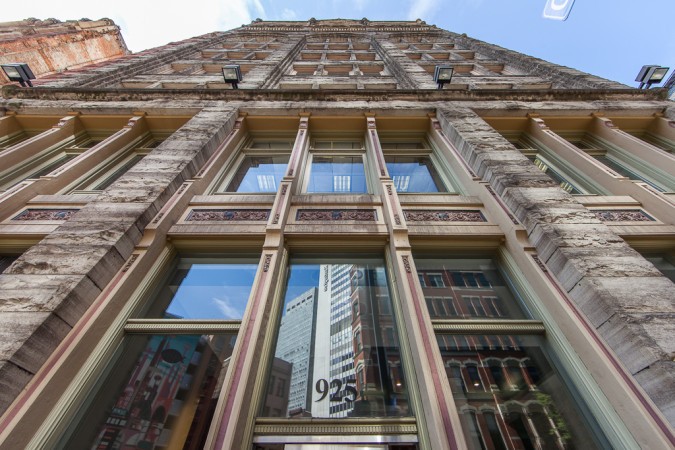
507	244
51	46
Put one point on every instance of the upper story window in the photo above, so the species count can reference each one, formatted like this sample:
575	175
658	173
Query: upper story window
337	166
411	164
110	171
49	159
261	164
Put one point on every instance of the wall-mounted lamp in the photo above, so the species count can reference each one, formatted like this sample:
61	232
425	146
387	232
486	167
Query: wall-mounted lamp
232	75
18	72
651	75
442	75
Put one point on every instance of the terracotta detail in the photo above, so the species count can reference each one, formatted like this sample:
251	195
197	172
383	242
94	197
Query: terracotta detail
45	214
437	215
211	215
369	215
623	215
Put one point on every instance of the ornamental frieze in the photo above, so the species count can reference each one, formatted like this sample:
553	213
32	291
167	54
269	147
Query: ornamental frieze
367	215
216	215
623	215
432	215
45	214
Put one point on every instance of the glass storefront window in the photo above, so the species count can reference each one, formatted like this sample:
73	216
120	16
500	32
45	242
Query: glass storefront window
259	174
206	288
337	174
337	346
161	393
414	174
509	395
466	289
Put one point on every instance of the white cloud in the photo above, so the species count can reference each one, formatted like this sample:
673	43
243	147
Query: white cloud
258	7
422	9
229	311
288	14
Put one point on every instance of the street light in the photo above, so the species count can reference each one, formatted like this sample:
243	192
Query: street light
19	72
232	75
651	75
442	75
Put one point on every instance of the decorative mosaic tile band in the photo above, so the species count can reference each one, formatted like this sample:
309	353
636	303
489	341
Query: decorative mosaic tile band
45	214
433	215
214	215
623	215
368	215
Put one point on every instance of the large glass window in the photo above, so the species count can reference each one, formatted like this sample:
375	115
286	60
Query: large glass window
161	388
261	165
337	346
466	289
413	174
259	174
337	174
509	395
161	393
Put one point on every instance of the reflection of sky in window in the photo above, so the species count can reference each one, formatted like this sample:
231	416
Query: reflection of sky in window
302	277
337	174
413	175
213	291
261	174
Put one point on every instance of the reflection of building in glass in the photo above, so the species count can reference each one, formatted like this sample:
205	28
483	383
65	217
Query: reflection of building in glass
506	393
169	396
295	345
471	293
379	379
334	348
276	400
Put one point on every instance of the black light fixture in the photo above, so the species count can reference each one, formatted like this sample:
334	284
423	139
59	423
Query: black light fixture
232	75
19	72
442	75
651	75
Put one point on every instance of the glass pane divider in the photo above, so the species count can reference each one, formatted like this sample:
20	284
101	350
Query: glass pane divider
489	326
180	326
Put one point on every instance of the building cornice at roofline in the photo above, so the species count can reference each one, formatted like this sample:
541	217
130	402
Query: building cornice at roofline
93	94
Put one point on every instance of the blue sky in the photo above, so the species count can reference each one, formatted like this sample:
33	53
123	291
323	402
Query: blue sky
612	39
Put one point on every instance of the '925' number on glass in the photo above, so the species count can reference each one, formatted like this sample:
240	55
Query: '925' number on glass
323	387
